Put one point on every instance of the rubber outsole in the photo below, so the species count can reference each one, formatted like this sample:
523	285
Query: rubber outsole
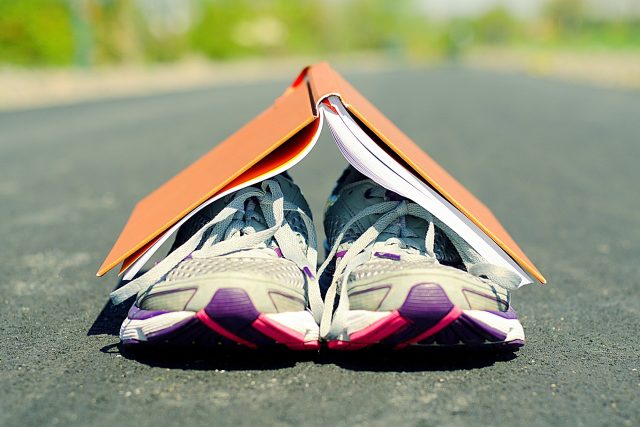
230	318
429	318
426	318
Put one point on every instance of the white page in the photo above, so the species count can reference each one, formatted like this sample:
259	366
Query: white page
372	161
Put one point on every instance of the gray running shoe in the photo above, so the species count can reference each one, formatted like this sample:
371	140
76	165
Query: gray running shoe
395	276
240	271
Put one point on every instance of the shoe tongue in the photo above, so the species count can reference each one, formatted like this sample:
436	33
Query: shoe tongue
251	221
253	217
406	234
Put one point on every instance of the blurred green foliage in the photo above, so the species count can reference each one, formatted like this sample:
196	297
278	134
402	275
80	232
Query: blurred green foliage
568	23
95	32
35	32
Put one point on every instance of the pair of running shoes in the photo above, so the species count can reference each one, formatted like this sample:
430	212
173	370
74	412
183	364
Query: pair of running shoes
244	271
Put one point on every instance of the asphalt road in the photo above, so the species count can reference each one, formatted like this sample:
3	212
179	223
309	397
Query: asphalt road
557	162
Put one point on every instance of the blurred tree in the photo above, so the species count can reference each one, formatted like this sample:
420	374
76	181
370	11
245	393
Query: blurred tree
308	26
163	28
212	32
36	32
377	24
496	26
83	42
566	16
116	33
456	38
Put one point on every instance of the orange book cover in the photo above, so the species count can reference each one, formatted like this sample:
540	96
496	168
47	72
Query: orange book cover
273	138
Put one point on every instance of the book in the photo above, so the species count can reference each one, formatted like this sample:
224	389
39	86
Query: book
281	137
371	160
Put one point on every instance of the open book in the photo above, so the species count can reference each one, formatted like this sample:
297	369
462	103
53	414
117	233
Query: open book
371	160
280	138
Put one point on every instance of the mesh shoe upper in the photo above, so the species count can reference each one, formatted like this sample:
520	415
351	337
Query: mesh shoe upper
284	272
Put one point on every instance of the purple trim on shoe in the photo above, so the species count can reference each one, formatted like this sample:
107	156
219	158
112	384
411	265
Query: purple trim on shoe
278	252
232	304
340	254
387	255
425	305
308	272
491	334
232	309
426	300
509	314
136	313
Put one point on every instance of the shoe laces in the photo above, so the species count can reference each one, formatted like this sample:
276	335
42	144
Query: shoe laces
403	244
238	230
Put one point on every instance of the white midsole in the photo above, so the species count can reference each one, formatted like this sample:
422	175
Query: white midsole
360	319
299	321
511	327
139	329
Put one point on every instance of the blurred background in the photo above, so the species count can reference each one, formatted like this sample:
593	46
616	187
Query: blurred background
56	48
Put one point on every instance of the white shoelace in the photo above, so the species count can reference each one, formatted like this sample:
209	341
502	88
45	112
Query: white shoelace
332	324
230	235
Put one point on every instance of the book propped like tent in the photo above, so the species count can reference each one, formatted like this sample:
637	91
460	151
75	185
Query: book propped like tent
284	134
